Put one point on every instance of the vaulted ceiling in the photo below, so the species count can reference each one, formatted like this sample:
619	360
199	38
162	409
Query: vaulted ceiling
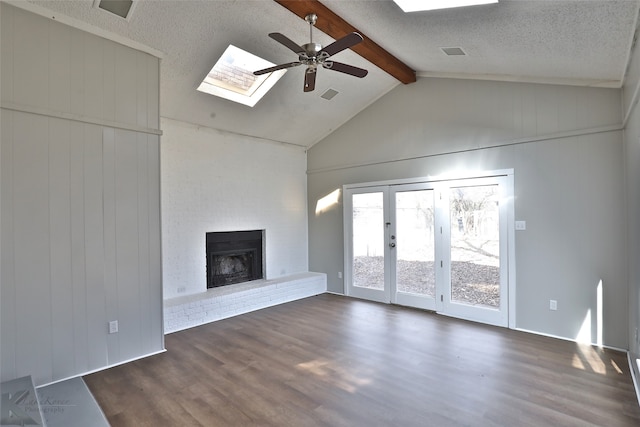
578	42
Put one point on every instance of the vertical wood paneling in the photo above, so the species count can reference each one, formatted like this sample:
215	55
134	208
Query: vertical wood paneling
127	243
7	277
546	110
96	323
80	203
6	44
76	73
153	92
125	85
30	57
59	68
109	235
141	77
109	92
568	113
78	297
60	247
93	76
155	256
528	111
31	246
143	241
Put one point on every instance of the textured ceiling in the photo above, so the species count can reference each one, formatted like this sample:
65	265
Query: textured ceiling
583	42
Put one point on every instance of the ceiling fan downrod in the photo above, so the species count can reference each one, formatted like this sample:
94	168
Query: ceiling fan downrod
311	18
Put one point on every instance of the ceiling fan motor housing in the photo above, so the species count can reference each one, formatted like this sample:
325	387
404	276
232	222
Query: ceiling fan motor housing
311	53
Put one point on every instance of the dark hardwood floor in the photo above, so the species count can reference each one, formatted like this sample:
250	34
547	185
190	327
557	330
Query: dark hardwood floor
336	361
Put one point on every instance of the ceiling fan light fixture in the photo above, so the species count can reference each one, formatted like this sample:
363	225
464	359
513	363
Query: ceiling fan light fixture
423	5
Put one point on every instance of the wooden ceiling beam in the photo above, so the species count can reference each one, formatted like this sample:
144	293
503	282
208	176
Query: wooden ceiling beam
336	27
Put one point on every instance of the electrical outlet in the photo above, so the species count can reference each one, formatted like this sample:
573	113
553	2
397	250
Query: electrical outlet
339	274
181	289
113	327
521	225
553	304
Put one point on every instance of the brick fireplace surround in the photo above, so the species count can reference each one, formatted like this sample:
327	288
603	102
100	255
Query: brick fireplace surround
227	301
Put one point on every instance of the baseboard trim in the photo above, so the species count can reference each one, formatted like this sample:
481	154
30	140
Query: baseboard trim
636	386
623	350
103	368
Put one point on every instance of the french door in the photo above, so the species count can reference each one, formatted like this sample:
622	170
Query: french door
439	245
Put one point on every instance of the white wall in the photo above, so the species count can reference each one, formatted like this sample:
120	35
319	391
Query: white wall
80	229
632	168
565	146
216	181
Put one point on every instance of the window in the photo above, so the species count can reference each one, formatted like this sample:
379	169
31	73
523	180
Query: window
232	77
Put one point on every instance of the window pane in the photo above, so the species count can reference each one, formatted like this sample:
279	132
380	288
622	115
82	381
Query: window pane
475	249
368	240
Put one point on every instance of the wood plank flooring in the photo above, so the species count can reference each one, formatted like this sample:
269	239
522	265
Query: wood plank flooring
336	361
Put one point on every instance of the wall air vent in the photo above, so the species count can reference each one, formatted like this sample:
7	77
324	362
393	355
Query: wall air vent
453	51
121	8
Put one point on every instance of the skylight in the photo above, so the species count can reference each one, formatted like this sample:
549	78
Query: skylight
232	77
421	5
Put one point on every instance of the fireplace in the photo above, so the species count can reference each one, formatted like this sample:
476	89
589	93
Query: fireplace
234	257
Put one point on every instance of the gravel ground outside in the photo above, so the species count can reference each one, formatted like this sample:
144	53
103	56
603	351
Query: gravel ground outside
472	283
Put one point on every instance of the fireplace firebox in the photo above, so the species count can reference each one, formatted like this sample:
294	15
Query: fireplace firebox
234	257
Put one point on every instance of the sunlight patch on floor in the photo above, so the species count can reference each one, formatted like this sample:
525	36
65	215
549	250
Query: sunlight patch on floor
337	375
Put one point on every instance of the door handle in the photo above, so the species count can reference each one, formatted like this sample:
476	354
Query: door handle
392	245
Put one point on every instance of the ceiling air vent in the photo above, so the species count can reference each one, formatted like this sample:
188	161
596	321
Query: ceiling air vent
453	51
122	8
329	94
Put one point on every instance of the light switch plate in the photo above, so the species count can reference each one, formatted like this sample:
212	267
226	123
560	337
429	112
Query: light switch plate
521	225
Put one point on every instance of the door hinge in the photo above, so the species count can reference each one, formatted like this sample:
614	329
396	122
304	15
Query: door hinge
441	298
440	230
441	265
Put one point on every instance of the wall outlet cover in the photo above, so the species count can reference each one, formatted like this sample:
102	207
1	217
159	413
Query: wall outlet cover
113	326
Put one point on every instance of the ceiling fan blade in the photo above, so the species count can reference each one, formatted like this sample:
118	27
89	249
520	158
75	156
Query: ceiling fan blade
310	79
287	42
342	44
345	68
276	68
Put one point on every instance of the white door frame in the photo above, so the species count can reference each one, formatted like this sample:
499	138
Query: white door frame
507	202
355	291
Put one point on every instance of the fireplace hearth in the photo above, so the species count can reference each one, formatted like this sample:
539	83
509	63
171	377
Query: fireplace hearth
234	257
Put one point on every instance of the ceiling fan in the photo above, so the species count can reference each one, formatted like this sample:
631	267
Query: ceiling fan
313	54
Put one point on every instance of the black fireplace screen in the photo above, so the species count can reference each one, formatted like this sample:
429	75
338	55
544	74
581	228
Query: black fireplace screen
234	257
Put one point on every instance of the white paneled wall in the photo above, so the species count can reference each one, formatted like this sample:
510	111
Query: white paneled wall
565	147
80	229
631	91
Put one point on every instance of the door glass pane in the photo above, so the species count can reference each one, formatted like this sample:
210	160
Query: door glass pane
368	240
475	254
415	243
